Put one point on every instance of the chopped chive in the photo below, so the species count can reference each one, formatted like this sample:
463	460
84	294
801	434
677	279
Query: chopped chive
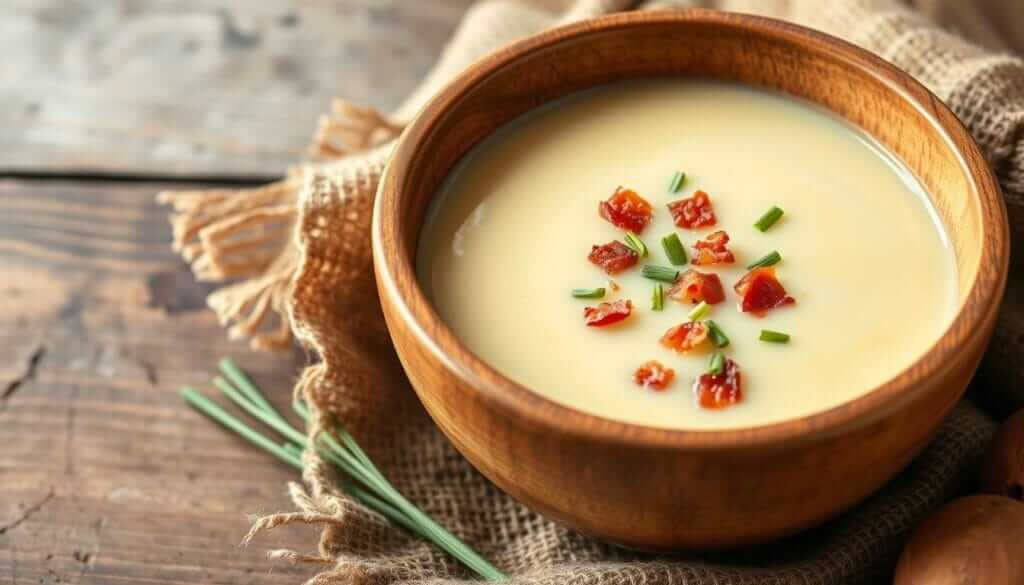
716	334
662	273
774	336
588	293
677	182
769	218
658	298
768	260
674	249
699	311
638	245
716	364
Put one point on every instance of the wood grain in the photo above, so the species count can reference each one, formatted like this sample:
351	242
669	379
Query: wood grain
105	475
199	87
670	489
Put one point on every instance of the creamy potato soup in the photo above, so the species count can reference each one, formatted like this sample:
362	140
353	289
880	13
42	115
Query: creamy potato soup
861	282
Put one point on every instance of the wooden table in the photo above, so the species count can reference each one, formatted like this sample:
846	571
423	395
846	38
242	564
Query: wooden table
105	475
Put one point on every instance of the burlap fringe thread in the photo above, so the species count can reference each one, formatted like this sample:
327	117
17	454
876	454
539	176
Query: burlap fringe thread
228	235
247	236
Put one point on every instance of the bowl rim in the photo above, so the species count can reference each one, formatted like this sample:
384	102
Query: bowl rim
396	273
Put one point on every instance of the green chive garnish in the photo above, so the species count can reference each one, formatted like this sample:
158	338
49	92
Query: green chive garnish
674	249
658	298
768	260
769	218
716	334
662	273
677	182
699	311
588	293
774	336
361	480
716	364
634	241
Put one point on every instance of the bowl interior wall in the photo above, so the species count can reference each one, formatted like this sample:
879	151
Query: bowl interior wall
821	75
579	468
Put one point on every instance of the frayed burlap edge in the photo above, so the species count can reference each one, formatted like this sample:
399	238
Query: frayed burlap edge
265	236
249	235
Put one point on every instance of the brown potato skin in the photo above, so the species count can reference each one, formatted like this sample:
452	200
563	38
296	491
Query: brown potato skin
1002	472
973	540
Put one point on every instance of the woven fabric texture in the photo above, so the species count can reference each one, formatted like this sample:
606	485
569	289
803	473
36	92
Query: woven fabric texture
322	282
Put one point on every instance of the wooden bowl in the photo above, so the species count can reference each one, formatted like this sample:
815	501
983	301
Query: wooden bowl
670	489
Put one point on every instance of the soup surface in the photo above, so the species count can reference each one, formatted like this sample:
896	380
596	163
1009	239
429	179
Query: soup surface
508	236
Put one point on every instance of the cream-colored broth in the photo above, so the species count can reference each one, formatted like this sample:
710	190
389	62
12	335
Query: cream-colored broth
507	238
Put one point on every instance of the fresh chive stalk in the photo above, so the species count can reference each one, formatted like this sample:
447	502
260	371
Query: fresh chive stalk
716	364
633	241
588	293
718	337
290	453
662	273
366	483
293	449
774	336
770	259
699	311
677	182
215	412
769	218
658	298
674	249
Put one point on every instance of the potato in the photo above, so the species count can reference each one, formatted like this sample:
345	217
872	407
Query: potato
973	540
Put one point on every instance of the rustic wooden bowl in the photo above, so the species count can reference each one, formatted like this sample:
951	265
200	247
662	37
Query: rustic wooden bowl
670	489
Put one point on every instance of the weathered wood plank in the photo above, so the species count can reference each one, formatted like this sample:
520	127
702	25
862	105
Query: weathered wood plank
198	87
105	475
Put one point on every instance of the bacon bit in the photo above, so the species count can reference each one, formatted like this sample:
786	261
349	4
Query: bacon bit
613	257
685	336
606	314
653	375
760	291
693	212
713	250
694	287
626	210
721	391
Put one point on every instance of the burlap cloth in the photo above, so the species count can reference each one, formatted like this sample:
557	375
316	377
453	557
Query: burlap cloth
300	248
